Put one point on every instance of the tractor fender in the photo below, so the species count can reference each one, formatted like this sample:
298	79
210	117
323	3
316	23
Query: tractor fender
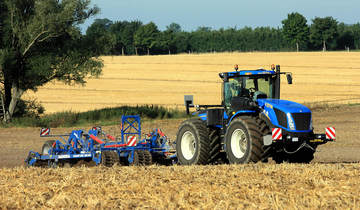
240	113
264	118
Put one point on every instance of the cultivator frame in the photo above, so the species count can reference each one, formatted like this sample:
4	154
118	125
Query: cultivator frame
89	147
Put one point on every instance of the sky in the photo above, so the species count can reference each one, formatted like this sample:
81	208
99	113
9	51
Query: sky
191	14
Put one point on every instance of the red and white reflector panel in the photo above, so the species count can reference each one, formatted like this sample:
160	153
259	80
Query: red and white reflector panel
330	133
131	141
276	134
44	131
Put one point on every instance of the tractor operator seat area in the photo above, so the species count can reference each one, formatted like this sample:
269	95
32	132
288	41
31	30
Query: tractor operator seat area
253	87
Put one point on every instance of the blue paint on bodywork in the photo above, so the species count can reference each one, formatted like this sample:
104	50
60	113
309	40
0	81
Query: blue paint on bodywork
288	107
250	72
267	106
203	116
239	113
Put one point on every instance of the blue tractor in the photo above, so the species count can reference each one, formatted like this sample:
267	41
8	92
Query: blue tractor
252	124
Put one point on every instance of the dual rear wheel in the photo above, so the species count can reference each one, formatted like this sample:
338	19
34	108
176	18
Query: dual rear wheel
198	144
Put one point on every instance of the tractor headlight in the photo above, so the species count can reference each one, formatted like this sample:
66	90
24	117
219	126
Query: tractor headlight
290	121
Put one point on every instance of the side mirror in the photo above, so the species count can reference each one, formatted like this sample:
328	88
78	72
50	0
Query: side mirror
289	78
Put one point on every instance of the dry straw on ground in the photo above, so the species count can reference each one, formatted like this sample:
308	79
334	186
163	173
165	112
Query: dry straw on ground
331	77
258	186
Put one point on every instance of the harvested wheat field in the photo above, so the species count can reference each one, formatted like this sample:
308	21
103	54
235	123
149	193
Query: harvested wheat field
330	182
255	186
330	77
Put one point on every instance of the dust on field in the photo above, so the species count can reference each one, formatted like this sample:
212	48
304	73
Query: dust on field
254	186
330	77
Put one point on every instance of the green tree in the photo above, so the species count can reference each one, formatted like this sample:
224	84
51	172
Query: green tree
295	29
173	27
146	37
345	39
99	34
356	32
124	32
166	40
323	32
42	42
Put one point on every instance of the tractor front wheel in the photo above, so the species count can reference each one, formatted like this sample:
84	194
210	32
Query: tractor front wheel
243	141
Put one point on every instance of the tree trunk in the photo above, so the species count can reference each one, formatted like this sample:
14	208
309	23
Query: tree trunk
297	46
15	96
169	52
324	46
148	51
136	51
122	51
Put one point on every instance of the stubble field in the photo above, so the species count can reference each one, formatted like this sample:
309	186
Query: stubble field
259	186
330	182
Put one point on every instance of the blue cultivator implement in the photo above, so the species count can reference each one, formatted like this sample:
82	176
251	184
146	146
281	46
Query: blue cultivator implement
97	147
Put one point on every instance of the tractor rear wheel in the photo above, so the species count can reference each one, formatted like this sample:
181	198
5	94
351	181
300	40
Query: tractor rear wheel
192	143
243	141
47	146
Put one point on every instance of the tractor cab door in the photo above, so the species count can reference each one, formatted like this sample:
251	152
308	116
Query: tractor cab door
234	89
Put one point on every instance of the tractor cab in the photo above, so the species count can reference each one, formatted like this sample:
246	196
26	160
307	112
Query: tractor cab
247	86
242	88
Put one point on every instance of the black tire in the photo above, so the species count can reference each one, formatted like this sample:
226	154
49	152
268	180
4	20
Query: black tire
216	156
46	146
109	158
145	157
247	129
192	143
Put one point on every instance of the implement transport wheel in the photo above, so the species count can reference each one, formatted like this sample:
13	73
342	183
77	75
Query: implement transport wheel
47	146
109	158
243	141
192	143
145	157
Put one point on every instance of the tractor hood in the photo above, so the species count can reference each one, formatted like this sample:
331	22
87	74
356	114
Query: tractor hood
288	115
283	105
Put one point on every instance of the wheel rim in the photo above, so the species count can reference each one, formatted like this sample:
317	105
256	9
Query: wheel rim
188	145
46	150
238	143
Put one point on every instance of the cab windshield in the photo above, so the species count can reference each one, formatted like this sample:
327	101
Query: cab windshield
250	87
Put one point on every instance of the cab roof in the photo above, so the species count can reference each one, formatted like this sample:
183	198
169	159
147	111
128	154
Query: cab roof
246	73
